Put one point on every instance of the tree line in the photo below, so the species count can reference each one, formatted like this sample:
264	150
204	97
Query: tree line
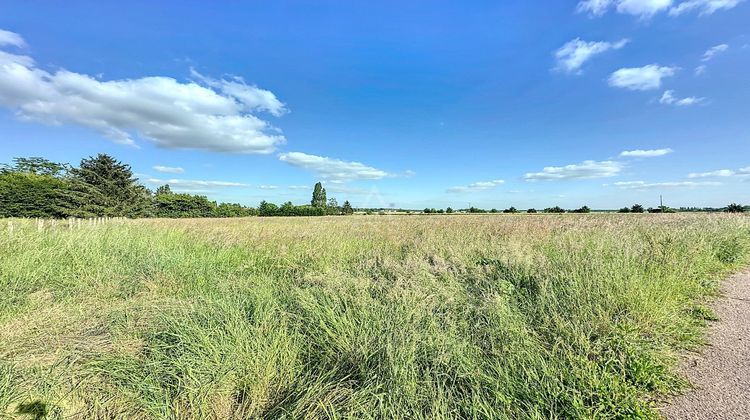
102	186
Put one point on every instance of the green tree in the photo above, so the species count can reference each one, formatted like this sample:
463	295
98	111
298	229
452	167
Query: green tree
107	188
318	196
267	209
347	208
584	209
163	190
35	165
637	208
624	210
532	210
183	205
333	206
735	208
27	194
449	210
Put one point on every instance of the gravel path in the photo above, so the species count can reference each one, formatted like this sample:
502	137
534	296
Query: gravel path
721	374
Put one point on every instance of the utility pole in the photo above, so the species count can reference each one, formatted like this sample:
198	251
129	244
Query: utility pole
661	202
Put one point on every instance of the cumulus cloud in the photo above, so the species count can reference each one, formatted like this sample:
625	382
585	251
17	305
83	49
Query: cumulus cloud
712	174
571	56
250	96
643	185
641	78
215	116
646	153
12	39
645	9
668	98
477	186
713	51
744	171
168	169
704	7
588	169
641	8
333	170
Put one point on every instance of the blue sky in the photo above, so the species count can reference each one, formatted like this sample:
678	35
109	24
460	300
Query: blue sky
411	104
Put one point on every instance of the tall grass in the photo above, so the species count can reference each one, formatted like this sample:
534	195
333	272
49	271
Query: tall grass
357	317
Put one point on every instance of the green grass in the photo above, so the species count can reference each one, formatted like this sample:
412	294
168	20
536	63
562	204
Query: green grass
528	316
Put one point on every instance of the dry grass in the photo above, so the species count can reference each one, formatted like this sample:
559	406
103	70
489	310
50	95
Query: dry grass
527	316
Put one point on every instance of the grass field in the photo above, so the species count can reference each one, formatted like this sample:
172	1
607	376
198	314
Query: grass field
528	316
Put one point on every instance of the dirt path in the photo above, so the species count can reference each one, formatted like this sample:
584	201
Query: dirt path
721	374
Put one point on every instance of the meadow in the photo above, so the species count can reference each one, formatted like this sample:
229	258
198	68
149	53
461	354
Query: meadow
446	316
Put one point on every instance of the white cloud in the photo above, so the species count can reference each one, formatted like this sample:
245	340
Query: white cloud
744	171
168	169
300	187
641	78
342	189
193	185
642	8
168	113
712	174
646	9
268	187
12	39
250	96
588	169
477	186
594	7
642	185
646	153
332	170
705	7
700	69
571	56
713	51
668	98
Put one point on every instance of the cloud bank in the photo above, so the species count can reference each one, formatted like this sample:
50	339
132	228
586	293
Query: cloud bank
643	185
588	169
646	9
477	186
333	170
217	116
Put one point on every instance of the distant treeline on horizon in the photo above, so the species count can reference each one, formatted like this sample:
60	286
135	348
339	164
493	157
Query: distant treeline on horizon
102	186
